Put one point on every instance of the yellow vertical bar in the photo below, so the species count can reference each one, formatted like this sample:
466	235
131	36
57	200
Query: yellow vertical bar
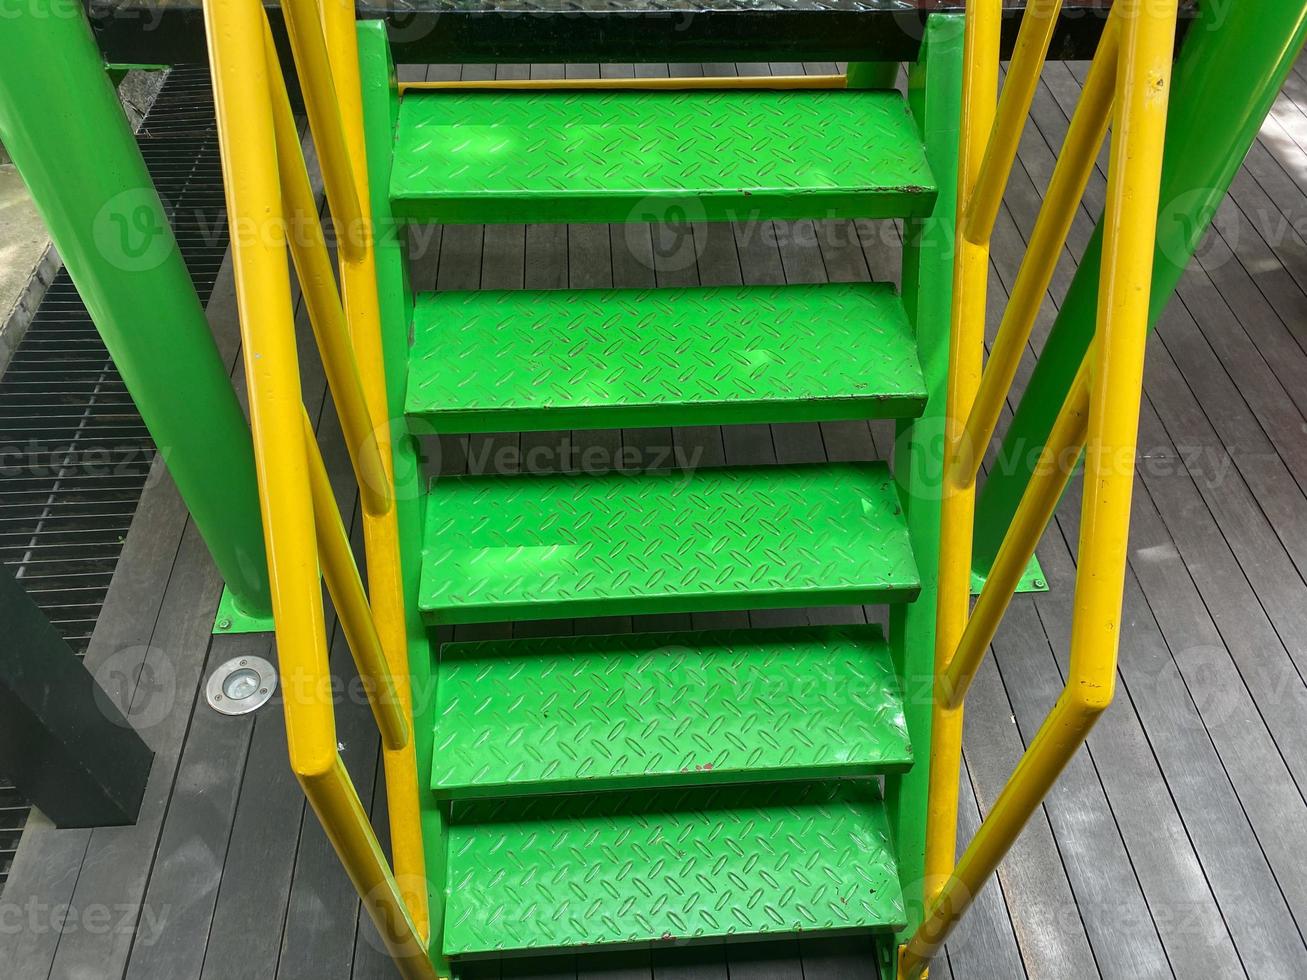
1071	173
1036	32
1130	227
336	802
966	342
1066	440
351	602
320	102
308	248
258	243
235	31
381	531
1115	386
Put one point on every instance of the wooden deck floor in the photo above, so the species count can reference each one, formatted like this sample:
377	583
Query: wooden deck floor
1176	846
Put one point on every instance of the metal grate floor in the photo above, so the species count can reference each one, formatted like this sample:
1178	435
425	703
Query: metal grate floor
76	455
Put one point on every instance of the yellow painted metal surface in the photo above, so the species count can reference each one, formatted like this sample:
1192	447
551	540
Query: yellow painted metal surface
381	531
350	601
1114	384
320	102
761	82
966	341
287	471
308	249
1066	440
1036	32
1066	187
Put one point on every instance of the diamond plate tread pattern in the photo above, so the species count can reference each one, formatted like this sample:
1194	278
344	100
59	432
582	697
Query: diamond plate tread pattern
615	868
551	359
575	714
667	156
547	547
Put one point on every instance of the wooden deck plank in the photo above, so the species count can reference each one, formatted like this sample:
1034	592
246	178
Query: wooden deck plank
984	945
1239	513
1181	906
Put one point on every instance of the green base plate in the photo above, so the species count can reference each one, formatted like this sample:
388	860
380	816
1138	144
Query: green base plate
232	619
1032	579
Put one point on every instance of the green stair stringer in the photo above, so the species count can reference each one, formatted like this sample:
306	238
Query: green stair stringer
934	95
575	714
380	111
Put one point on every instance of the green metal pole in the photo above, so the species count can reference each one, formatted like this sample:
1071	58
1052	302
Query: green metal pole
1232	64
62	124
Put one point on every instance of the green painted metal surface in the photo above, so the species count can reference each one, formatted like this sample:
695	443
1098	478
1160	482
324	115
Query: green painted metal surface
1230	69
380	106
62	124
645	156
1032	579
231	618
578	714
934	93
547	547
557	359
669	865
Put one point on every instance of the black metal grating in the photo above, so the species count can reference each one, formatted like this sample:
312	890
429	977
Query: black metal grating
74	453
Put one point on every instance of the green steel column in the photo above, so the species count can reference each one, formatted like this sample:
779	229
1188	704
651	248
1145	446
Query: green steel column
1234	59
62	124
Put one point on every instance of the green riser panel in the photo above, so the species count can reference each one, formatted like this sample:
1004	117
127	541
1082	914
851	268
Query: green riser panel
549	547
613	358
658	156
578	714
609	869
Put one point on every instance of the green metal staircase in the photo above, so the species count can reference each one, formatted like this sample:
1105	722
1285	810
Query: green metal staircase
600	790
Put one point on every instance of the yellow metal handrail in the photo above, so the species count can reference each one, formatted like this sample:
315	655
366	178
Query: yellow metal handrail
1131	78
686	83
270	201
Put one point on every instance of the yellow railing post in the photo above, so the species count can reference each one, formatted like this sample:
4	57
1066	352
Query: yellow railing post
966	339
322	105
380	531
1000	152
1066	187
1060	455
287	474
1114	387
308	248
342	577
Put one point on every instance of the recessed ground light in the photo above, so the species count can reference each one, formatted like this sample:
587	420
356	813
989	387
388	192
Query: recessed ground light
241	685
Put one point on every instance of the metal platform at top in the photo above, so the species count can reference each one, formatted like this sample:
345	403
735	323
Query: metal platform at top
608	31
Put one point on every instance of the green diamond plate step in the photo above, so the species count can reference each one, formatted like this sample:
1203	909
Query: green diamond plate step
621	358
657	156
584	713
606	869
548	547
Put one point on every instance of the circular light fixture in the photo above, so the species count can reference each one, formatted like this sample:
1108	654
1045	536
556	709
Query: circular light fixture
241	685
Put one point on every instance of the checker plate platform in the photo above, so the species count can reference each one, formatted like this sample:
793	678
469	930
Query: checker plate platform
610	868
549	547
575	714
611	358
658	156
